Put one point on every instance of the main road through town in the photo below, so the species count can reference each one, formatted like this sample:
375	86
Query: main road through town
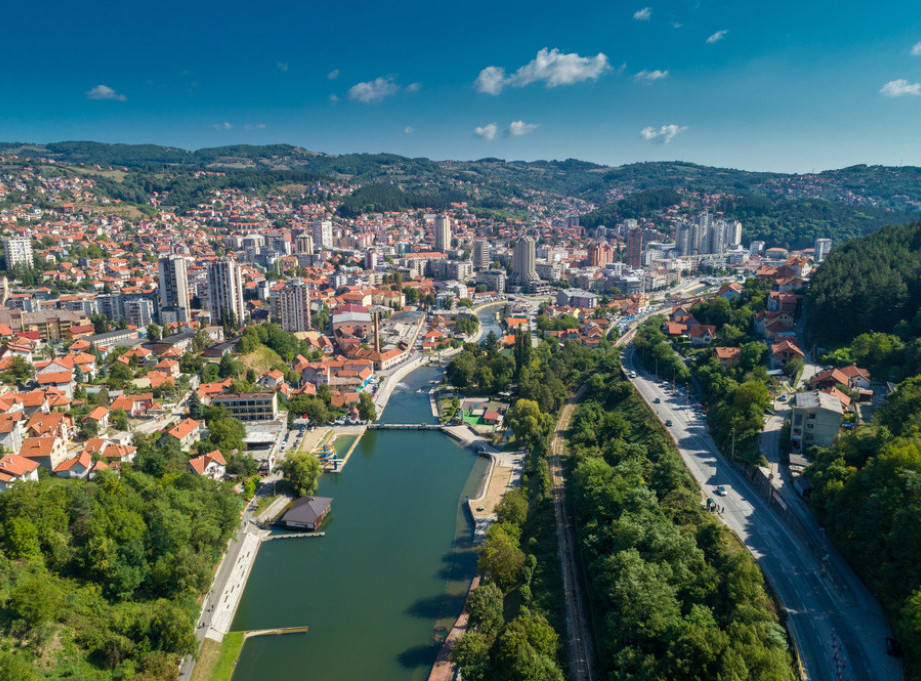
838	628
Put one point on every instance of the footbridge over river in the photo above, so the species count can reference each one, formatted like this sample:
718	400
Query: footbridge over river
463	434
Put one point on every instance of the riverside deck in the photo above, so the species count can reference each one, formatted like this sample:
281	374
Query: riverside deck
294	535
278	631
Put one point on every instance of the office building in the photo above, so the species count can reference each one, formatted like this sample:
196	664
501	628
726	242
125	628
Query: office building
225	291
262	406
174	284
18	251
524	272
480	254
442	233
822	247
494	280
635	248
291	306
323	234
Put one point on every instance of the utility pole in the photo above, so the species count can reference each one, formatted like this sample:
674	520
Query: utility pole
732	453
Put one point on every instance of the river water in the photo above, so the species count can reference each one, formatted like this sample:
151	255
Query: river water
391	571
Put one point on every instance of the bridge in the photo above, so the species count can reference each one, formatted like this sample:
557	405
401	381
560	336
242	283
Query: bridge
405	426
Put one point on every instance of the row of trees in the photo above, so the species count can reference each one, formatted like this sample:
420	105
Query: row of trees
673	597
867	492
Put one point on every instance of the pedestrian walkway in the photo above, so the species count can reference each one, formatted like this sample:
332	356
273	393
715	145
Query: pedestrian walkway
219	617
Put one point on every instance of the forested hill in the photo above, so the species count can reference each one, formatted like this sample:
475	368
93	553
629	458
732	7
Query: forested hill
783	209
871	284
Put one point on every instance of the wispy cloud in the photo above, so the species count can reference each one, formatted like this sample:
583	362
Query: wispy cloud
487	132
282	66
644	14
650	76
716	37
373	91
332	75
916	50
101	92
408	130
897	88
254	126
222	126
664	135
552	67
334	99
413	87
519	128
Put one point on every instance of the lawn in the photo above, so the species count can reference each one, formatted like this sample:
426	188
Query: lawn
216	661
262	359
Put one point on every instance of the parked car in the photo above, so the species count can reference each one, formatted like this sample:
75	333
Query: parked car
721	490
656	401
668	423
783	397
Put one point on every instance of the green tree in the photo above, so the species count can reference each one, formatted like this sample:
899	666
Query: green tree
36	600
301	470
471	654
20	371
486	607
153	332
501	558
119	419
366	409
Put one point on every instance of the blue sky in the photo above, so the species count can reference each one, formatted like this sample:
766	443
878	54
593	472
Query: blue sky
786	86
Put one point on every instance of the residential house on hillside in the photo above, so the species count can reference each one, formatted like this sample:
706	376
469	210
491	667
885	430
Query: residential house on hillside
816	420
185	433
211	465
783	352
15	468
728	357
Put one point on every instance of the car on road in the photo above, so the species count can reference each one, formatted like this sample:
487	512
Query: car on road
632	374
668	423
783	397
656	401
720	490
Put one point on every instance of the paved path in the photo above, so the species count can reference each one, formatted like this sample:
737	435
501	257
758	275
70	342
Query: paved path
581	651
819	610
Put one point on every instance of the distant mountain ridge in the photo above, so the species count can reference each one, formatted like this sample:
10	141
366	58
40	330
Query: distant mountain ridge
784	209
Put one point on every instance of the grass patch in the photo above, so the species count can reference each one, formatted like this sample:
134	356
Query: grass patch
217	661
261	360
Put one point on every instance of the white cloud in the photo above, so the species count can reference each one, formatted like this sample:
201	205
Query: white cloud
408	130
519	128
487	132
413	87
549	66
897	88
101	92
222	126
332	75
916	50
491	80
716	37
254	126
282	66
373	91
643	14
333	99
665	134
650	76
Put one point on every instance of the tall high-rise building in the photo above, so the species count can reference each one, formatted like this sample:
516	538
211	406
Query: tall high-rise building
174	284
635	248
370	259
18	251
481	254
323	234
225	291
442	233
524	259
303	244
822	247
138	312
291	306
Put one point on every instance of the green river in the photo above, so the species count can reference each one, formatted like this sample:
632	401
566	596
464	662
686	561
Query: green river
393	567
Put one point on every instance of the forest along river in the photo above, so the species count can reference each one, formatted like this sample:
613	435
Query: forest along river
392	570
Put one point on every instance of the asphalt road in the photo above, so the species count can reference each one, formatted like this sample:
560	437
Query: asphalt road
824	615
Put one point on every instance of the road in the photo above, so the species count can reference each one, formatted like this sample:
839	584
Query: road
578	624
822	611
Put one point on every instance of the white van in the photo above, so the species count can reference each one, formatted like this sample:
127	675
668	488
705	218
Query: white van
632	374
